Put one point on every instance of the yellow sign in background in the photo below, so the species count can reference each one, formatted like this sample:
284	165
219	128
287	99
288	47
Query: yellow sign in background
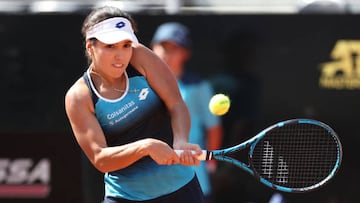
344	71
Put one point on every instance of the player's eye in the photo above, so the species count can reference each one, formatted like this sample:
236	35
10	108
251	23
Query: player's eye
127	44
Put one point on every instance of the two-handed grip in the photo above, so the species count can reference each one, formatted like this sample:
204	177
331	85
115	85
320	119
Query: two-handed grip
205	155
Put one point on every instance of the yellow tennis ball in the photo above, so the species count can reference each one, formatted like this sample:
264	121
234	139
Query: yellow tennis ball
219	104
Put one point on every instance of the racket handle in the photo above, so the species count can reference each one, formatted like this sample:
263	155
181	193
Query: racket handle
204	156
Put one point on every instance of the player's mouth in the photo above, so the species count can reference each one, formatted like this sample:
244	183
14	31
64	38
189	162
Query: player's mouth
117	65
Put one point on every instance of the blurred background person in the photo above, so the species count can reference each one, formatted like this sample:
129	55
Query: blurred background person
172	43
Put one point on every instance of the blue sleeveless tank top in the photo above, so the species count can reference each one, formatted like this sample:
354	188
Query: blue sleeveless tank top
137	114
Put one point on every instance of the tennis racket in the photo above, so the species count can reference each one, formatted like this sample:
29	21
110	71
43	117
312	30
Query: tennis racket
295	156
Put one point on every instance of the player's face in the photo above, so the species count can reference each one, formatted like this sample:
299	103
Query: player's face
111	59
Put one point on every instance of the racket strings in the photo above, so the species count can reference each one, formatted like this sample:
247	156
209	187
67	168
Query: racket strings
296	156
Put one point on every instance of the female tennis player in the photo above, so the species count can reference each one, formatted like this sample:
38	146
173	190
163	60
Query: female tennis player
128	116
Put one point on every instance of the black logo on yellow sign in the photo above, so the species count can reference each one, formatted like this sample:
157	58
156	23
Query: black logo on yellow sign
344	71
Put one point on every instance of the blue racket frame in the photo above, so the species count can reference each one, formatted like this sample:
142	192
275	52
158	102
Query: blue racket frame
221	156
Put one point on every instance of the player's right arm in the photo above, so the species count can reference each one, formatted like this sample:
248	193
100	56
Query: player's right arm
163	82
89	135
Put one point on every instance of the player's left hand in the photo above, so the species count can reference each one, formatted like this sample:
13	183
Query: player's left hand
190	154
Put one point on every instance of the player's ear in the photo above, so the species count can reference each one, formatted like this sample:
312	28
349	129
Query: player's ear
88	47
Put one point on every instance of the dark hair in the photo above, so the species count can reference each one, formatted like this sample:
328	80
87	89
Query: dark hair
101	14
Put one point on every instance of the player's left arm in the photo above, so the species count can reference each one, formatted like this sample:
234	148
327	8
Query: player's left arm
162	80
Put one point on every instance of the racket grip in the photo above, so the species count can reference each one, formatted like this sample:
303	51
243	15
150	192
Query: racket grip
204	156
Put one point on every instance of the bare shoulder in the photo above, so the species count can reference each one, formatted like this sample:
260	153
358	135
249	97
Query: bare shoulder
142	58
77	95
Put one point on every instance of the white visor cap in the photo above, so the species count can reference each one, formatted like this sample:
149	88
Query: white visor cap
112	30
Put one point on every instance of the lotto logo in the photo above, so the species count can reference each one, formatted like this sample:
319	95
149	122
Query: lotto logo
143	94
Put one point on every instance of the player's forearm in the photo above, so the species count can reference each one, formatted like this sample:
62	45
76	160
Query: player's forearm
180	120
118	157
